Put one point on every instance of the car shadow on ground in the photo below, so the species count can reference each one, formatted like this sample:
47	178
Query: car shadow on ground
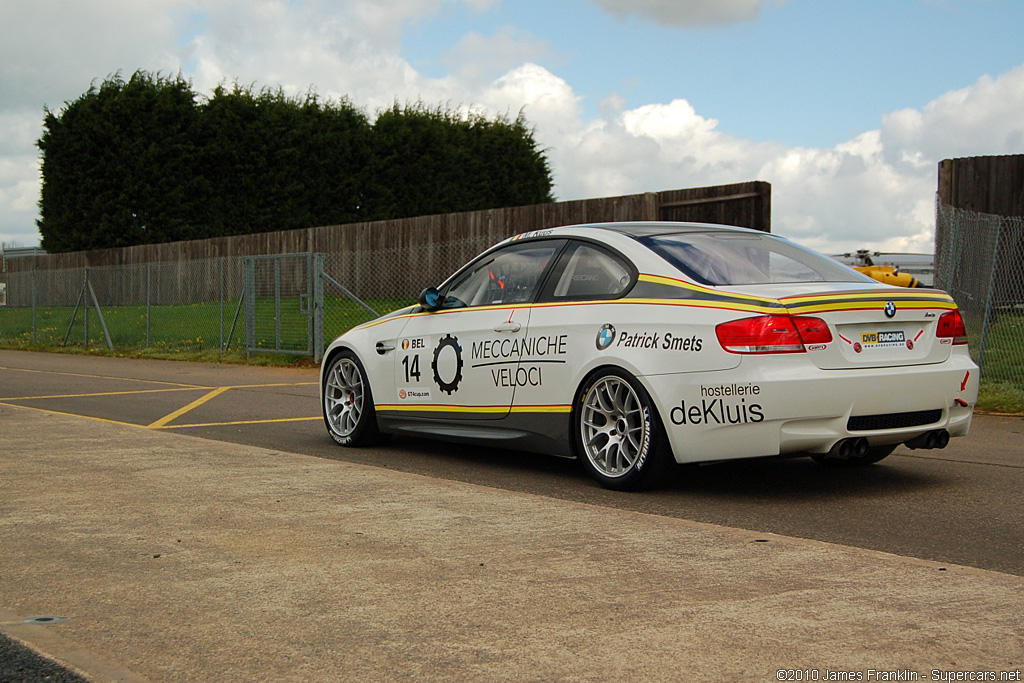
800	478
766	479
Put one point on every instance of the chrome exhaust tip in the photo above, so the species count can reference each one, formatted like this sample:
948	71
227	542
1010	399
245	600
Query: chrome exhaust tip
844	449
938	438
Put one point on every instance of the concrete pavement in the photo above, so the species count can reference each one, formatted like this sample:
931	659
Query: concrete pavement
175	558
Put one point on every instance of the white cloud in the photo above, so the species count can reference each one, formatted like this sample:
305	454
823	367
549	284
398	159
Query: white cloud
984	118
19	175
52	50
478	58
348	49
268	43
547	100
688	12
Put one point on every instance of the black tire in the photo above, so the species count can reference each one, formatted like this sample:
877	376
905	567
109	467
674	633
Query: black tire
348	402
617	433
870	457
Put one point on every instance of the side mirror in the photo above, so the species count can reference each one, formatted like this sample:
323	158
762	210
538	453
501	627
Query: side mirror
430	299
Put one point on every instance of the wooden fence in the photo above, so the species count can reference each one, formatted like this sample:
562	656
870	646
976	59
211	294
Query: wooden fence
992	185
744	204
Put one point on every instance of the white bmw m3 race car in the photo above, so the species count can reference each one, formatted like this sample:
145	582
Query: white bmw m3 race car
634	346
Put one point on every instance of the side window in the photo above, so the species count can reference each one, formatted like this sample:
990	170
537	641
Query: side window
588	272
509	276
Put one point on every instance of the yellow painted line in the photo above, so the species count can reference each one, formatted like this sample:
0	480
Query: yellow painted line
155	391
240	422
139	426
278	384
163	421
101	393
87	417
191	406
123	379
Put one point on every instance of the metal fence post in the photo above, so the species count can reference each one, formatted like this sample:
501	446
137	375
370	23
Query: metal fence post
277	304
85	289
249	296
33	307
318	307
149	288
99	314
220	347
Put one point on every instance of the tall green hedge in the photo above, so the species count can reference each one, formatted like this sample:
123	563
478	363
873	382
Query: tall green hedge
148	160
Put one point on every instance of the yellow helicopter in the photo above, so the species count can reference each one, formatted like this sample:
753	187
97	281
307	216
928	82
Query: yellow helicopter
889	275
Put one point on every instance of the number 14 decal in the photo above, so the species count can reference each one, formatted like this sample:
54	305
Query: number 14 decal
412	369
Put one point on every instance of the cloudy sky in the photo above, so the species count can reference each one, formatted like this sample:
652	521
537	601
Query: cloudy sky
845	106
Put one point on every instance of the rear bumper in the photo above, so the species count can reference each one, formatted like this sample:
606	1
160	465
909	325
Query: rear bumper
780	405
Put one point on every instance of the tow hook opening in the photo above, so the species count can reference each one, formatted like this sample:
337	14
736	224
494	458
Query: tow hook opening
938	438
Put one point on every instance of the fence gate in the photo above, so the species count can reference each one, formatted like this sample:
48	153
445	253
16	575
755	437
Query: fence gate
284	304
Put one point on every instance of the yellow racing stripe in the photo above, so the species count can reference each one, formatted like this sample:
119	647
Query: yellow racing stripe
485	410
728	301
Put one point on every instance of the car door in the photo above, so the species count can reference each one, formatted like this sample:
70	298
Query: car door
460	361
567	322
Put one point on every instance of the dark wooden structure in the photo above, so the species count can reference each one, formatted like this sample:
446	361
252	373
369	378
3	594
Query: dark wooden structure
984	184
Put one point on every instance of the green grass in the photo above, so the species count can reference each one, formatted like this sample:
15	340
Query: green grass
1001	397
1002	373
194	329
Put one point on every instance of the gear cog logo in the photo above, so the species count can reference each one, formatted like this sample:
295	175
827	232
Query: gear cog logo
450	385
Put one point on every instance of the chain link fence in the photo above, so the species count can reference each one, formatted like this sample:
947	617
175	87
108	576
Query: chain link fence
179	306
979	260
288	303
297	303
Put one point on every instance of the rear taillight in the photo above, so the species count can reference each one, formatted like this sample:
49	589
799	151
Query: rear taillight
951	326
772	334
812	330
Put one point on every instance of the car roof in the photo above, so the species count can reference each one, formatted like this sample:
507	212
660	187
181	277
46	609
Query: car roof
658	228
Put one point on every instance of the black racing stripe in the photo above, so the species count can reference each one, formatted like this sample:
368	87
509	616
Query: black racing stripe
654	290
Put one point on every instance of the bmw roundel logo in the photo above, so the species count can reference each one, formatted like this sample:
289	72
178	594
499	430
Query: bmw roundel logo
605	337
890	310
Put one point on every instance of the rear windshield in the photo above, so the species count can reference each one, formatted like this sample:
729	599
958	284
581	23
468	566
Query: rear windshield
733	258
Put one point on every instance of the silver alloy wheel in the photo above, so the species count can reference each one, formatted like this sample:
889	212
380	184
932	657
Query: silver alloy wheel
343	396
613	426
